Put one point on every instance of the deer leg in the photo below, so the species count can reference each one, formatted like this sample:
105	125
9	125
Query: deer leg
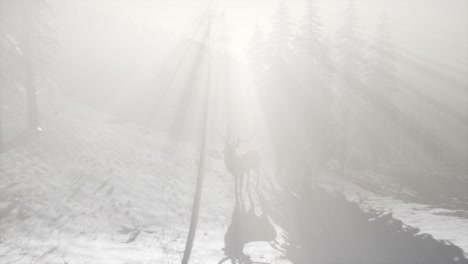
257	172
224	260
249	192
241	198
238	181
240	187
236	189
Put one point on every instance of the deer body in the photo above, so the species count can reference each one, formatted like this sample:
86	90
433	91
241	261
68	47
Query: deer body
240	165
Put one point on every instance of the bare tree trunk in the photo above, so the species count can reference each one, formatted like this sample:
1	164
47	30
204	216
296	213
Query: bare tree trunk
33	115
306	180
199	189
197	201
2	82
29	82
1	128
201	165
343	148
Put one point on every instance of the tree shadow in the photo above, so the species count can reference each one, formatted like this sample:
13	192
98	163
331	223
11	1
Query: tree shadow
326	228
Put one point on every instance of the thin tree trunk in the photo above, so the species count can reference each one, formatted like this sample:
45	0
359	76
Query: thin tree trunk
306	180
1	128
33	115
29	82
2	82
343	155
201	165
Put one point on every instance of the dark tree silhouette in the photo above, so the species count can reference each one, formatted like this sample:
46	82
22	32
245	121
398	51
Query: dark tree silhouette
2	82
380	114
277	81
28	23
315	70
257	54
349	46
203	142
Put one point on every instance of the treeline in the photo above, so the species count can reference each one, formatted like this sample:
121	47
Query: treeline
335	101
26	39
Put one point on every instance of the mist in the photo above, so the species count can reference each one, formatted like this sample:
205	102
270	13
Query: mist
218	131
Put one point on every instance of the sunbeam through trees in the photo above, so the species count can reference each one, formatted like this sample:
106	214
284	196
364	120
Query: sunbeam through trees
222	131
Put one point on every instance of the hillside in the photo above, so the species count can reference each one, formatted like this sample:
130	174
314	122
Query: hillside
89	190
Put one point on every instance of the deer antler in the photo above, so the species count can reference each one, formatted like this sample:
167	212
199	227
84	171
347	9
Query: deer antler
238	140
234	138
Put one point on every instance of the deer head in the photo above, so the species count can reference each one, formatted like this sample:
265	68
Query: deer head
239	164
230	151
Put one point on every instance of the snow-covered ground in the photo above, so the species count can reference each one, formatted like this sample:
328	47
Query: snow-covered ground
87	190
442	224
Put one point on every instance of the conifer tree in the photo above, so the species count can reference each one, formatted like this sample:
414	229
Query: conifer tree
349	76
277	87
380	126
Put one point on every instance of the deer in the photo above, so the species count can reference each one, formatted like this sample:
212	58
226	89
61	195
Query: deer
240	165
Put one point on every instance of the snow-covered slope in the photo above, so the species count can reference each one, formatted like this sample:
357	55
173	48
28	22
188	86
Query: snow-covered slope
85	190
443	224
88	190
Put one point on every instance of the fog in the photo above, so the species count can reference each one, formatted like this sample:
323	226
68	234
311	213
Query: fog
212	131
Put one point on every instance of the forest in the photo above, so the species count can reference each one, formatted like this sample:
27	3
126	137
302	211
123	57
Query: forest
221	131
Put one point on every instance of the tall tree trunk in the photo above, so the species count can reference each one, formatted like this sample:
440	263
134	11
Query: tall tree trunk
33	115
1	120
29	82
201	165
2	81
306	180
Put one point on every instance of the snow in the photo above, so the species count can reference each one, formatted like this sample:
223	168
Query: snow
87	190
442	224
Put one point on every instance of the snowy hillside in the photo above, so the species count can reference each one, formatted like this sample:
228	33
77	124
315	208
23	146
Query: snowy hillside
241	132
88	190
93	192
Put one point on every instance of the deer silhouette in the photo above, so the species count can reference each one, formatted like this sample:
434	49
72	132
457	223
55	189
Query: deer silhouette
241	165
246	226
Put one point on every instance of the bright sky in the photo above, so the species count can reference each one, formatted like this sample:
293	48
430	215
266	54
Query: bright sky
409	19
431	36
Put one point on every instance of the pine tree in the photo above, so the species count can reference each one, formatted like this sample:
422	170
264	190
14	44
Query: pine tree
312	40
278	86
256	55
380	126
279	40
314	69
349	77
